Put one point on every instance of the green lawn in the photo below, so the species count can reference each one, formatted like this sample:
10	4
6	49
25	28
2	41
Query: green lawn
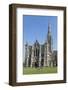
42	70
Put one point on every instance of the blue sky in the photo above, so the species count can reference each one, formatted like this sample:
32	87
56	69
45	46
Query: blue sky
36	28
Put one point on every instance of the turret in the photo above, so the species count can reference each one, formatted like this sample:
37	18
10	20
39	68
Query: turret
26	54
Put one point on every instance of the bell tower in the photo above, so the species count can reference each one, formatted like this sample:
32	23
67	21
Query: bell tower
49	46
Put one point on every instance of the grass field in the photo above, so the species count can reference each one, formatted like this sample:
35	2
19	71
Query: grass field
42	70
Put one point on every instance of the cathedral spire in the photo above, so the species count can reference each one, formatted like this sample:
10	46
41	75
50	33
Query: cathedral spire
49	27
49	30
49	36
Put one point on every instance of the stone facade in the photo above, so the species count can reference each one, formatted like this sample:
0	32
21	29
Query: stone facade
39	55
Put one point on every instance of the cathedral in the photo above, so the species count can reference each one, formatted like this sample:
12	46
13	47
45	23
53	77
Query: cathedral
38	55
